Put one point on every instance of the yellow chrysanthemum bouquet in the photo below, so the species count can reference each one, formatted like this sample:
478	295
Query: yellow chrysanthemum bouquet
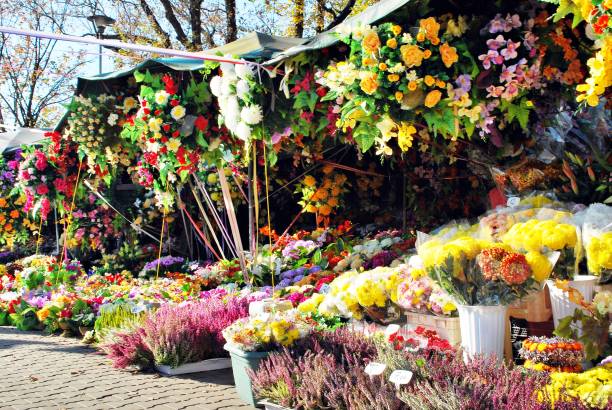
550	230
478	272
597	237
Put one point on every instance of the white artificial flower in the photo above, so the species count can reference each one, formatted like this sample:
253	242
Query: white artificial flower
226	85
231	123
252	114
397	68
242	89
232	108
161	97
112	119
244	71
177	112
243	131
152	146
215	85
228	69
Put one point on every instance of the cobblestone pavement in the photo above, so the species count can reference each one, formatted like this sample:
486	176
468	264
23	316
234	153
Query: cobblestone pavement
52	372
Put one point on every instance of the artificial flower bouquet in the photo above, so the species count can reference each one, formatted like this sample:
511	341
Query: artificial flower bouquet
597	238
481	273
550	231
418	293
371	294
268	331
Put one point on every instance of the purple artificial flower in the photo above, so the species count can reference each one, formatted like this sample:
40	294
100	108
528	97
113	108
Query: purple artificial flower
298	278
314	269
496	43
284	283
164	262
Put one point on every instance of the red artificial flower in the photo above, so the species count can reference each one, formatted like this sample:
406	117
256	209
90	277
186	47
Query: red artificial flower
157	113
176	134
201	123
164	140
166	127
321	92
174	103
171	86
151	158
146	111
42	189
163	150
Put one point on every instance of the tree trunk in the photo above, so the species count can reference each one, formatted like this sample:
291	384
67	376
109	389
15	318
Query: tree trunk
297	19
320	16
230	11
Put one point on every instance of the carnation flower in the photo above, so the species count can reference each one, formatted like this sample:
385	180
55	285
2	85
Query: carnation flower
215	85
244	71
515	269
243	131
178	112
252	114
490	261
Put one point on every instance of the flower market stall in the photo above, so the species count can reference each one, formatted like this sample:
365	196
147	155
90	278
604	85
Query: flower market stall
411	210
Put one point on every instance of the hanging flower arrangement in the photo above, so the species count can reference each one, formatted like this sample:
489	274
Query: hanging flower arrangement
322	198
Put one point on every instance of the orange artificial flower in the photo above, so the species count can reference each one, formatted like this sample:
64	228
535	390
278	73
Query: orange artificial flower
426	54
382	67
393	78
368	62
333	201
14	214
392	43
440	84
325	210
449	55
411	55
429	80
420	37
370	42
2	202
310	181
412	85
432	98
430	27
399	95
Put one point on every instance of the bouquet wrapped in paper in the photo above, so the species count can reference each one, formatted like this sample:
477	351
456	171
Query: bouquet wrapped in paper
597	238
477	272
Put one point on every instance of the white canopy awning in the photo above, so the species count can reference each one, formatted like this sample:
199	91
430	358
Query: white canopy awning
13	137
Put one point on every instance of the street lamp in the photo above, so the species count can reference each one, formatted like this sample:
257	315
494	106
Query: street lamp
100	22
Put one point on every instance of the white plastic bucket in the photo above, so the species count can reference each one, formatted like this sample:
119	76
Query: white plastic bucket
559	300
483	329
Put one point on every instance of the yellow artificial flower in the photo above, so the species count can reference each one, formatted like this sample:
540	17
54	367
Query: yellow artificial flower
540	265
420	37
412	85
382	66
174	144
432	98
429	80
369	83
368	61
392	43
397	30
405	135
426	54
399	96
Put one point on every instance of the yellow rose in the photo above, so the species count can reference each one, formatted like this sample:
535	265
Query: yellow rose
420	37
382	67
429	80
430	27
412	56
412	85
370	42
392	43
368	61
397	30
399	96
369	83
393	78
432	98
448	54
426	54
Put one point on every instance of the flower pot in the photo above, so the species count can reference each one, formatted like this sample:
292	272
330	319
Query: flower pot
561	305
242	362
197	367
268	405
483	329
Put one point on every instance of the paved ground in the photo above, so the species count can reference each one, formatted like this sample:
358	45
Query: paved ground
51	372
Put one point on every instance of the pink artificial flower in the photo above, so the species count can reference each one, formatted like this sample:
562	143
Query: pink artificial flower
41	161
507	74
42	189
511	91
60	184
495	92
496	43
497	25
45	207
510	51
530	40
492	56
29	203
24	175
513	21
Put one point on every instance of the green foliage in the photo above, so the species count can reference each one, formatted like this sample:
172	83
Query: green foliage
589	328
24	317
116	317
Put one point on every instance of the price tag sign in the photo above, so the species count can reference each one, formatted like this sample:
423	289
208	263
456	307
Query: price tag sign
391	330
513	201
375	369
399	377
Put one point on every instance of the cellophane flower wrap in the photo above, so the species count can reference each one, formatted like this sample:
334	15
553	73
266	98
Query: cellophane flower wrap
477	272
550	230
268	331
597	239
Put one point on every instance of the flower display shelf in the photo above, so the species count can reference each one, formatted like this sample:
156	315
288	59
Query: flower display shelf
267	405
447	327
242	362
197	367
534	308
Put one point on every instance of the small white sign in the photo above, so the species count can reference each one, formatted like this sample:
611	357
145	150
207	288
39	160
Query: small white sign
513	201
375	369
391	330
399	377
